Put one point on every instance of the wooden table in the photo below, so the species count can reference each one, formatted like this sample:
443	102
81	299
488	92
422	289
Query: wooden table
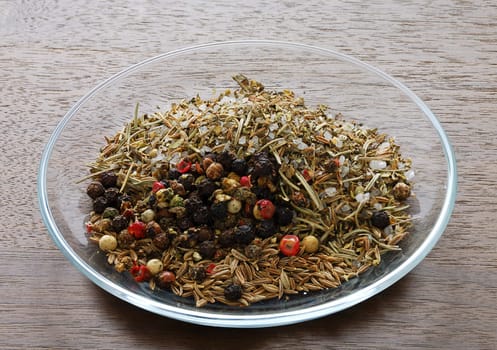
52	52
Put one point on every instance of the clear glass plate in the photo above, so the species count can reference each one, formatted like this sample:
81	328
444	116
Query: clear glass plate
322	76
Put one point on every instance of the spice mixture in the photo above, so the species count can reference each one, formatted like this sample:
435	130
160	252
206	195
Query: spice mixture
248	196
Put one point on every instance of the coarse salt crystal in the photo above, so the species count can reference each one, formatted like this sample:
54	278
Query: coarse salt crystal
327	135
383	147
410	174
242	140
205	149
377	164
329	192
344	171
362	197
254	141
346	208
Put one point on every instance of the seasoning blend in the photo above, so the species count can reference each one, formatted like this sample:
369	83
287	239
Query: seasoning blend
247	196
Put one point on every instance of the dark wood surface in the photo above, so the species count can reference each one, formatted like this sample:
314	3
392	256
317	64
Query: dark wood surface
52	52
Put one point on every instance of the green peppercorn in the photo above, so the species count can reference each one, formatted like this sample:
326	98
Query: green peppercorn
110	213
401	191
177	201
234	206
233	292
107	243
148	215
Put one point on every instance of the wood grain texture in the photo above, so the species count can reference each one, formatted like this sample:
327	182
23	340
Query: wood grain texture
52	52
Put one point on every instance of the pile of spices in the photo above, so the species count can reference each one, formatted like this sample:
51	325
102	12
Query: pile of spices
247	196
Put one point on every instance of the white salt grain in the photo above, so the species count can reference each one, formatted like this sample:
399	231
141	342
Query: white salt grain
377	164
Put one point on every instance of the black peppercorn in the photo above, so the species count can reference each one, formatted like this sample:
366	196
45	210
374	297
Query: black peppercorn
125	239
201	216
380	219
204	233
239	166
226	238
124	200
233	292
185	240
283	216
184	223
99	204
152	229
226	159
161	240
244	234
263	193
193	202
253	251
108	179
219	210
112	195
95	189
152	200
206	188
207	249
119	223
198	274
173	174
262	165
265	228
187	180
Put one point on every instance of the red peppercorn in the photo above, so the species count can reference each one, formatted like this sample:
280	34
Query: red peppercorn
165	278
158	185
245	181
184	165
210	268
290	245
137	229
128	213
264	209
140	273
308	175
